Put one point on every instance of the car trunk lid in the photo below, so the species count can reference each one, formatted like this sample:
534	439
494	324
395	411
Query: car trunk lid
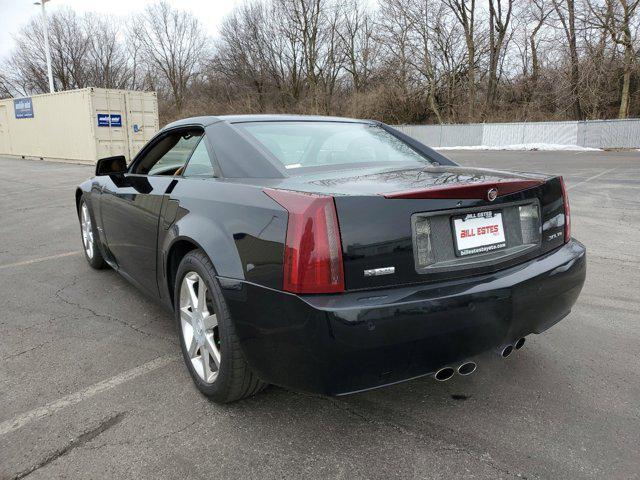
413	225
422	225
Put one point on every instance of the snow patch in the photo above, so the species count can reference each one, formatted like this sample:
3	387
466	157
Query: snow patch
545	147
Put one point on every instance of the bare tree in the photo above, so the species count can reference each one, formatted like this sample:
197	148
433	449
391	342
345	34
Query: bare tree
243	53
616	18
465	13
136	65
401	62
358	43
69	50
566	11
6	86
107	63
173	44
394	35
422	47
69	47
85	51
307	22
539	13
499	19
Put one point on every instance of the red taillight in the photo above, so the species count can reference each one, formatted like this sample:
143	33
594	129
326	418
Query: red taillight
567	212
312	252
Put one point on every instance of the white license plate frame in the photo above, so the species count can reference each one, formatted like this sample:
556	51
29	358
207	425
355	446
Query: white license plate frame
478	233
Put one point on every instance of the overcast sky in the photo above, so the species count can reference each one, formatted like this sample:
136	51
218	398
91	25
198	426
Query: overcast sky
15	13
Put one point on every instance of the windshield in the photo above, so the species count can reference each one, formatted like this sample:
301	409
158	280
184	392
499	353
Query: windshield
314	144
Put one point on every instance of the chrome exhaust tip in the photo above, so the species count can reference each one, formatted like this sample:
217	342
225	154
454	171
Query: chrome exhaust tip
506	351
467	368
520	343
444	374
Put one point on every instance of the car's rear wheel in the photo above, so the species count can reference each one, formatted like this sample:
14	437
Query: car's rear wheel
91	251
209	343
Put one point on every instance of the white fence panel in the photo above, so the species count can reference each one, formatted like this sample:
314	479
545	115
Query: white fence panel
610	133
497	134
461	135
592	133
559	133
427	134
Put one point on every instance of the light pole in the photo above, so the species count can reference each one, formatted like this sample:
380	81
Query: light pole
47	52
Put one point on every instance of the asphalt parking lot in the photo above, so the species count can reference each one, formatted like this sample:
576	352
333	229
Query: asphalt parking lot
92	386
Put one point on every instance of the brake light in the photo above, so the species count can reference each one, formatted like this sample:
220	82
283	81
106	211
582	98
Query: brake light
312	252
475	190
567	212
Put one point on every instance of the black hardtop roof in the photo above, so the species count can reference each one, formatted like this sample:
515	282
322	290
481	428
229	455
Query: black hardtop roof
209	119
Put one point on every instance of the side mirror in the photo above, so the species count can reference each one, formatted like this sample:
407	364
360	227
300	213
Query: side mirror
111	165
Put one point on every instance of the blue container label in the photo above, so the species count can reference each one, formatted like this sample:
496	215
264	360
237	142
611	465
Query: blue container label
23	107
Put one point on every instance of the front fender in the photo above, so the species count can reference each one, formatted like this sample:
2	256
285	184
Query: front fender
91	190
83	188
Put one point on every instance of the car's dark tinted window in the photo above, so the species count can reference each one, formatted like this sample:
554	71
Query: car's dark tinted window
236	155
200	163
314	144
168	155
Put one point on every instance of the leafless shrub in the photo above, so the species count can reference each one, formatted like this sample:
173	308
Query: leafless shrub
406	61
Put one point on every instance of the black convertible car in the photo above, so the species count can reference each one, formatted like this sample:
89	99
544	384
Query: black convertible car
330	255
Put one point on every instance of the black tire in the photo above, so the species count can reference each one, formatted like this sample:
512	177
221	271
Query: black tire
235	380
95	259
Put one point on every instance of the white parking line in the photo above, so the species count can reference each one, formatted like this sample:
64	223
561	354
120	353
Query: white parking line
591	178
37	413
37	260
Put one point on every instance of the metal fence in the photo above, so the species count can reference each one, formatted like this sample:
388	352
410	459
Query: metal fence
592	133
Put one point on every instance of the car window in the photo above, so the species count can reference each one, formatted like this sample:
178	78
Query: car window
312	144
200	163
289	149
169	155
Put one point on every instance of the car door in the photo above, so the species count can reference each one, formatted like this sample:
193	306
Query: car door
130	204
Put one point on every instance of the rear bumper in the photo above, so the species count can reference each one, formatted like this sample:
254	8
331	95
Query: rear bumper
336	344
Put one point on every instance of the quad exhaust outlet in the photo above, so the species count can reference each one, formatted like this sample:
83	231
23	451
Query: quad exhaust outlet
508	349
467	368
446	373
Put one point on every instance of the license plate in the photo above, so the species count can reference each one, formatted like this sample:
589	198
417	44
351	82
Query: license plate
478	232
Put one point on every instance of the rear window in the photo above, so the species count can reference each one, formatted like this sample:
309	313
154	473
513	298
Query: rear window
314	144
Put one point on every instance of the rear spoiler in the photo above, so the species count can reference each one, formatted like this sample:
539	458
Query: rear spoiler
476	190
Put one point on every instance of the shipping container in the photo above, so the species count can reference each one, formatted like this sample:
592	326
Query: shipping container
78	125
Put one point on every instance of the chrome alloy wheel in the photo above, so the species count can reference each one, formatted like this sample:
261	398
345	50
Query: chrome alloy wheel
199	327
87	230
